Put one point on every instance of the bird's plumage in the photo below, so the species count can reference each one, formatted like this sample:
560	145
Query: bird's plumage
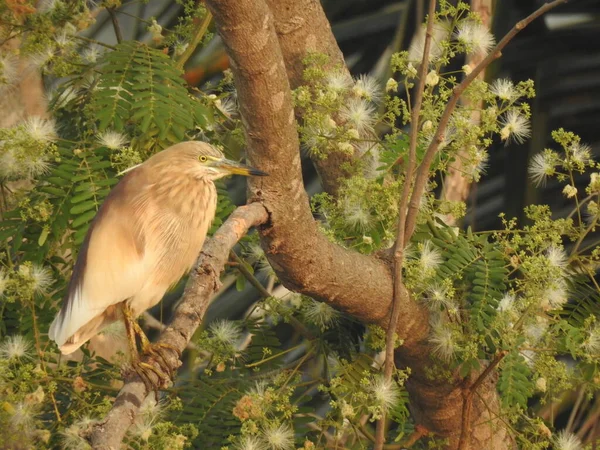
145	237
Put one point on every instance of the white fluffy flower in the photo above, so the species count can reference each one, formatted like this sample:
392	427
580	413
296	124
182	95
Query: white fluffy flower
151	413
504	89
251	443
338	81
541	166
507	303
385	393
357	215
320	313
437	297
581	153
591	343
442	339
15	347
39	277
91	54
112	139
41	58
72	436
555	296
227	106
225	331
40	130
279	438
367	87
475	37
360	114
430	258
417	46
557	257
567	441
515	127
478	162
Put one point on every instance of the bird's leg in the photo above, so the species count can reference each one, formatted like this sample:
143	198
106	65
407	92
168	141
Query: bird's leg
141	368
156	350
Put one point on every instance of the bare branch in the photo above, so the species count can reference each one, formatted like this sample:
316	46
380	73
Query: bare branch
400	293
116	26
203	282
304	260
423	171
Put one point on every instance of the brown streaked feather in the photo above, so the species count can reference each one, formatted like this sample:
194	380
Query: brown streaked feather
146	235
132	241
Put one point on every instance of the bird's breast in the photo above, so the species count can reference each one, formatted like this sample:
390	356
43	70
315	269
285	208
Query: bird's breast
178	224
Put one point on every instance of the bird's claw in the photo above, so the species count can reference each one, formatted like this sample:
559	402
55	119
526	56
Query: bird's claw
157	353
145	371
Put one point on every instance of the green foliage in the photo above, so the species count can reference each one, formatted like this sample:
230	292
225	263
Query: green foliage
139	90
478	268
209	406
515	382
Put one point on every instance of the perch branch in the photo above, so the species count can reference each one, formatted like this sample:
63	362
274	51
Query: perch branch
196	39
203	282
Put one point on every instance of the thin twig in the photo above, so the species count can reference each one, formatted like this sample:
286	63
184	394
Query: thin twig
465	430
200	32
116	26
241	266
399	290
423	171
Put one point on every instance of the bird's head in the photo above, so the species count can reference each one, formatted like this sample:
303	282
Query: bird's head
202	160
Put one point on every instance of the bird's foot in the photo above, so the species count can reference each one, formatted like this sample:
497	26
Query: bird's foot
158	352
153	377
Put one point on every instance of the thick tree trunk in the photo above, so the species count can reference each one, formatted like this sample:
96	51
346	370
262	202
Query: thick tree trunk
305	260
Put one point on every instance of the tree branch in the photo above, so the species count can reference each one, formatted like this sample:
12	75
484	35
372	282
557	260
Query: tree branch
303	28
203	282
423	171
400	293
304	260
116	26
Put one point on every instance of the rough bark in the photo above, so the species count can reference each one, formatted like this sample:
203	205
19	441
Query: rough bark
303	258
302	28
203	282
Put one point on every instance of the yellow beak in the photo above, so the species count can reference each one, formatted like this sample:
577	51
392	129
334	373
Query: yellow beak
236	168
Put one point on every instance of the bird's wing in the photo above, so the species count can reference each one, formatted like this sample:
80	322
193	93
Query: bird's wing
111	266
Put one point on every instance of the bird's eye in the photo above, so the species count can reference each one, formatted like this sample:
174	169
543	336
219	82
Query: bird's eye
203	158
